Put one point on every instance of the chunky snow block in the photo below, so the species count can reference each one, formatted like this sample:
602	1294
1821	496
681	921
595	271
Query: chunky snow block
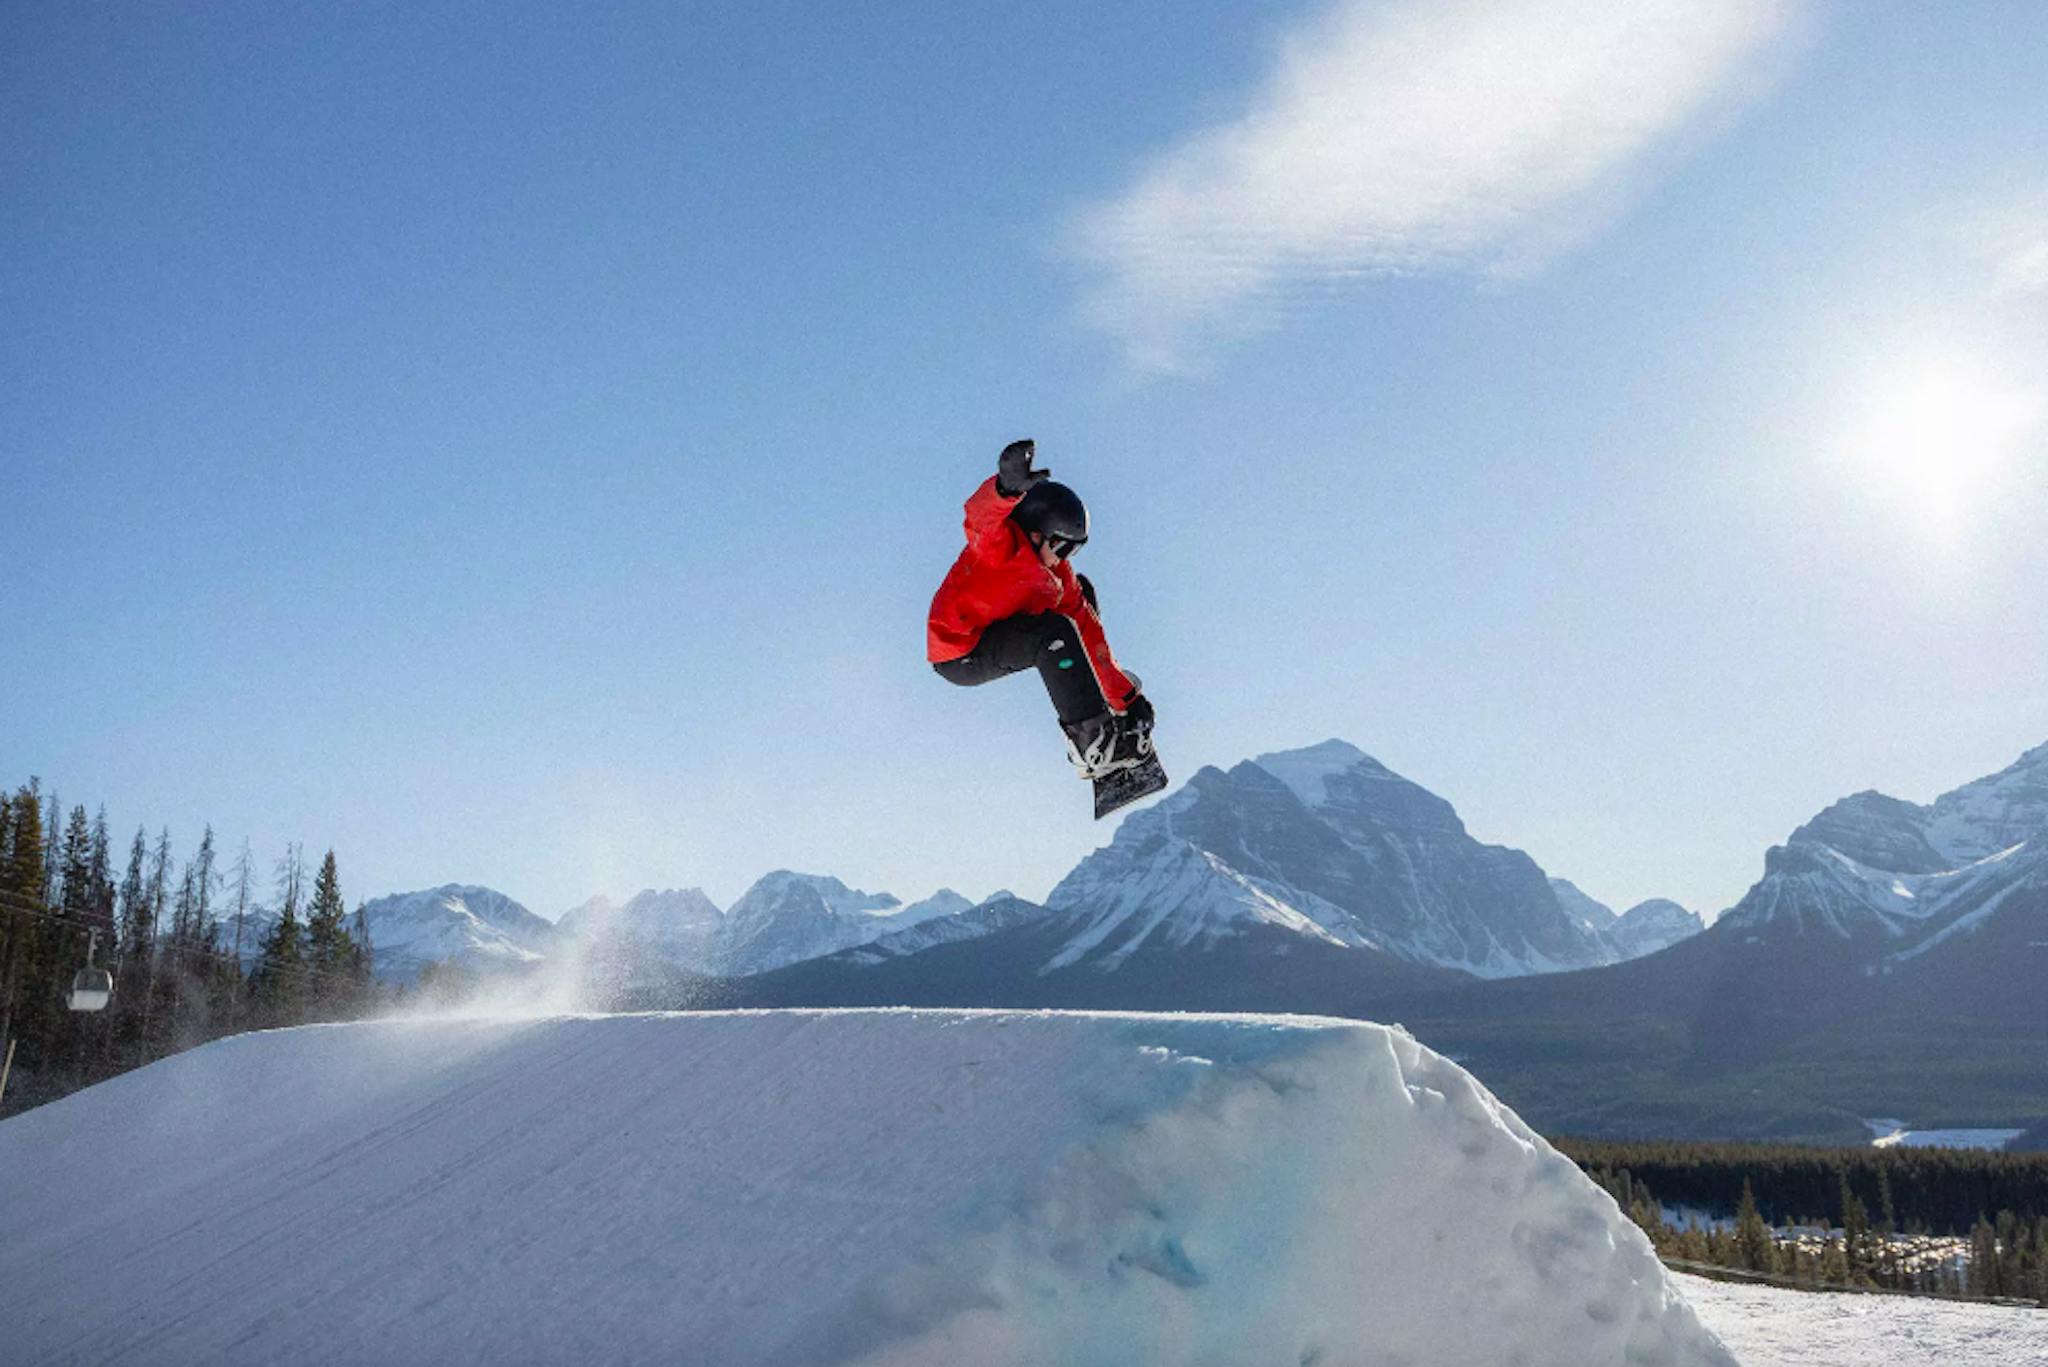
789	1187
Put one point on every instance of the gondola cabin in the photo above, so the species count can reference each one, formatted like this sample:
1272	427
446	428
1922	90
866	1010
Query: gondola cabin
91	989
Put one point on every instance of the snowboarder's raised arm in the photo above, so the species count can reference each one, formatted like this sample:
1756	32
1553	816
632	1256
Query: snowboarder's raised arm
988	508
988	513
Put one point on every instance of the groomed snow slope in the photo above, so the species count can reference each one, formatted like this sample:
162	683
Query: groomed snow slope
883	1187
1773	1328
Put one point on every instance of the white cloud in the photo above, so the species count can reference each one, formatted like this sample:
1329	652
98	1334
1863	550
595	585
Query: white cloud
1406	137
2026	268
2016	241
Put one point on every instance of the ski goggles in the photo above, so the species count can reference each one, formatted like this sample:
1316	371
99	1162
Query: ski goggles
1062	547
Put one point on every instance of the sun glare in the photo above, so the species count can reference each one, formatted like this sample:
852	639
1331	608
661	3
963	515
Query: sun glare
1940	440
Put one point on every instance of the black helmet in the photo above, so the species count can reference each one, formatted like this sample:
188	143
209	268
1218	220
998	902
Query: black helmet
1054	512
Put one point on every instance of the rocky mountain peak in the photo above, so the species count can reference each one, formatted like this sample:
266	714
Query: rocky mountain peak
1352	789
456	922
1871	828
1993	813
1892	876
1588	911
1329	844
1651	925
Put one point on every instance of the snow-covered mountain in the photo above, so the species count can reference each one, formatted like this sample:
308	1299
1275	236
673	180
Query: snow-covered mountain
1321	845
1650	926
1892	880
788	917
783	918
679	925
1643	929
965	921
647	940
471	926
1884	964
1330	845
1587	911
1958	828
1319	882
1163	880
476	927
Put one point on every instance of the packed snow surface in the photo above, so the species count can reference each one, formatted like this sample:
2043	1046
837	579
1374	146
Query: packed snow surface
880	1187
1772	1328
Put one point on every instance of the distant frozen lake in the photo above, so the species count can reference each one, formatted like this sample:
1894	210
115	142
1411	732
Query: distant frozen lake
1890	1134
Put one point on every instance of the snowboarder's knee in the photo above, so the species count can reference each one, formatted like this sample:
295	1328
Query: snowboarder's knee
962	672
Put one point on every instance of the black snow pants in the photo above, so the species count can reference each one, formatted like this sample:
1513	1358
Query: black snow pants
1048	641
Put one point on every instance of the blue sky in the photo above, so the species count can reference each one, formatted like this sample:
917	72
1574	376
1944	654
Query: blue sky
517	444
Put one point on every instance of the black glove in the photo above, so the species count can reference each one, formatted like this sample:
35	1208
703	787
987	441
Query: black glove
1139	709
1088	592
1013	468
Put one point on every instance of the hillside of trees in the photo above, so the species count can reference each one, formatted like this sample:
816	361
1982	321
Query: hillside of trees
1957	1222
170	931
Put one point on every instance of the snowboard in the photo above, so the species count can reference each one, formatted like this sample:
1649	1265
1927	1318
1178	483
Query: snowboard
1118	790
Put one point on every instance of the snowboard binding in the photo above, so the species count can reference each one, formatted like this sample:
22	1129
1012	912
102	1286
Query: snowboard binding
1115	753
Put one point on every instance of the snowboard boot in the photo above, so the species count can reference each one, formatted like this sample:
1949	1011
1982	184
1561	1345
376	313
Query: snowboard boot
1106	743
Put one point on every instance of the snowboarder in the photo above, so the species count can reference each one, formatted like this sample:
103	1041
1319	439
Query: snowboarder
1012	602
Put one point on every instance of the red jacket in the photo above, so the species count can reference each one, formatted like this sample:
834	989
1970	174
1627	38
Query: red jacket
1000	575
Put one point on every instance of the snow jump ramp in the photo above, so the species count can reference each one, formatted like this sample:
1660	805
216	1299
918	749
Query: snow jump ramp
795	1187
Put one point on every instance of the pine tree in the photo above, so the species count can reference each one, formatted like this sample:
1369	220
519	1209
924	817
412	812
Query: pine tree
136	931
51	893
67	948
1886	1249
205	879
157	899
100	873
179	984
181	912
2008	1281
1753	1243
1857	1245
193	989
279	982
160	882
1834	1263
22	879
135	949
76	864
1983	1276
330	953
6	858
1692	1245
240	882
365	964
291	879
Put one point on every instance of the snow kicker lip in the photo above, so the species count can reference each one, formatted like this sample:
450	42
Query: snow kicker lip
887	1187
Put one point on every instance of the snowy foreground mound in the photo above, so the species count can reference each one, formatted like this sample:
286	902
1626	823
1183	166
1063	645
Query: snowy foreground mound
816	1187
